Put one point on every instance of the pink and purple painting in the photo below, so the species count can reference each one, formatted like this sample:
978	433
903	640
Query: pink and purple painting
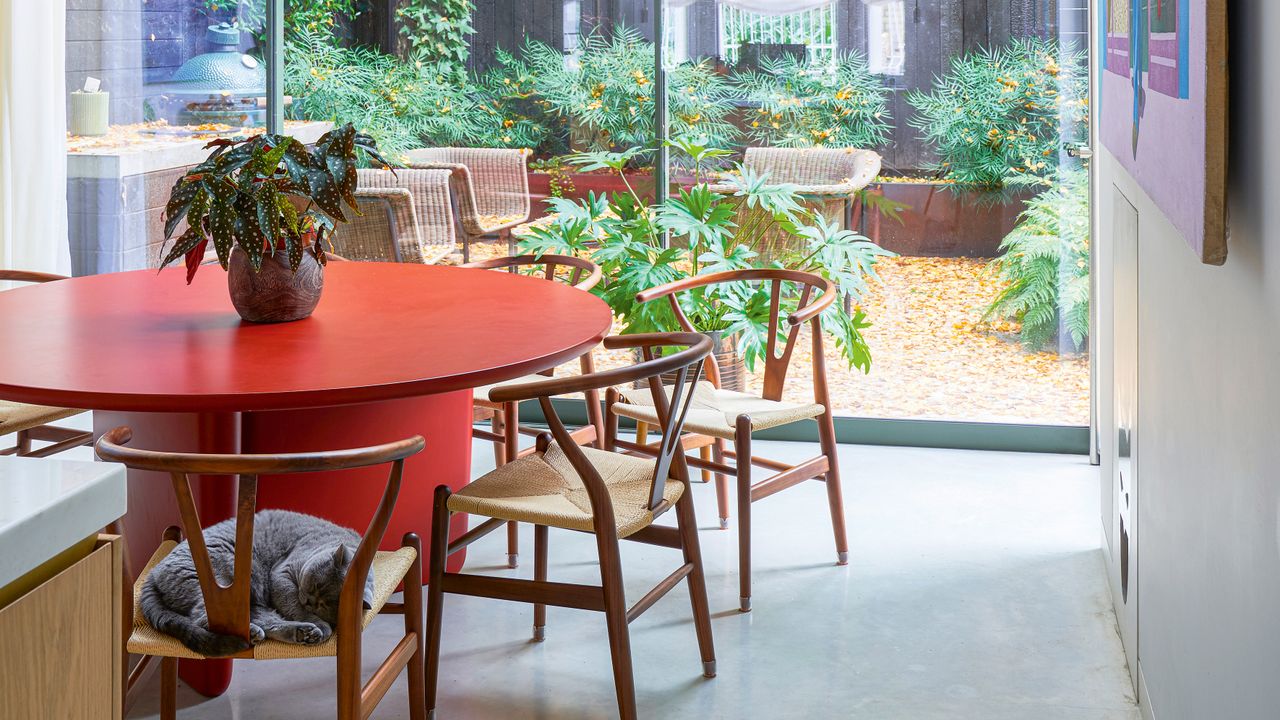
1162	113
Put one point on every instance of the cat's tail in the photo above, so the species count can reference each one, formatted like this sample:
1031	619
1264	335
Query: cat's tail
192	635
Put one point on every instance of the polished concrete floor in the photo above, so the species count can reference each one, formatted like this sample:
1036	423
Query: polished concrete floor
975	590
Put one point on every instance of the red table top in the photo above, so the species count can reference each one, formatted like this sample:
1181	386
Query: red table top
145	341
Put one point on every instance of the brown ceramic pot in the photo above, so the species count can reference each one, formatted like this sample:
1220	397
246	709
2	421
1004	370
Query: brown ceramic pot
275	293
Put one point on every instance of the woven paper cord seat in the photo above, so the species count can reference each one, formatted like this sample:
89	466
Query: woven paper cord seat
544	489
389	569
714	411
16	417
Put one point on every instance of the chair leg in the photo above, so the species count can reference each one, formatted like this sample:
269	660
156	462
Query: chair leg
168	688
742	446
435	595
23	442
499	449
413	623
705	452
615	611
835	498
722	484
688	525
540	537
610	420
511	431
642	432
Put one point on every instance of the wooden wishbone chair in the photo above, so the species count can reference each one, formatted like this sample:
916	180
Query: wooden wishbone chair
227	606
611	495
720	415
33	423
505	417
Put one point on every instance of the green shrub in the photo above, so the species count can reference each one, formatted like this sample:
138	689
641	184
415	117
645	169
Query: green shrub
400	104
305	15
998	113
804	104
710	232
437	32
1045	261
606	93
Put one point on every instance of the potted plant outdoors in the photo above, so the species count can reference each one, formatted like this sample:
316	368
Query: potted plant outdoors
995	116
268	205
712	231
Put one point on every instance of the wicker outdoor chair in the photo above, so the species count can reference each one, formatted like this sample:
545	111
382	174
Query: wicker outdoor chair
491	186
32	423
416	229
384	231
821	174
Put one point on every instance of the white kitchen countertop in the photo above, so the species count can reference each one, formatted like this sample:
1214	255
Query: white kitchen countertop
48	505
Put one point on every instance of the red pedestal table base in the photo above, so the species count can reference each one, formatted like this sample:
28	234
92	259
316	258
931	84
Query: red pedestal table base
347	498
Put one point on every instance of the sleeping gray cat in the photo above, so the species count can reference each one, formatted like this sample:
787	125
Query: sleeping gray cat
299	563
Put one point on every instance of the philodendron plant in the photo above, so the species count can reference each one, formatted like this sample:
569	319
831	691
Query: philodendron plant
741	222
265	194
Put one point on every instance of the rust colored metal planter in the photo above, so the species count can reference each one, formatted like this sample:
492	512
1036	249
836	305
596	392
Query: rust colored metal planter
943	220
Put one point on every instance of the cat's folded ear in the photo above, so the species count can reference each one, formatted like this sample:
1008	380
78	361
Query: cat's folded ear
341	555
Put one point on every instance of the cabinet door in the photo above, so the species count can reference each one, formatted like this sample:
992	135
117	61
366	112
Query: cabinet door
61	644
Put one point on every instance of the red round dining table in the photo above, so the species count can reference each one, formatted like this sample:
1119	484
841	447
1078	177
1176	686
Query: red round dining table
392	351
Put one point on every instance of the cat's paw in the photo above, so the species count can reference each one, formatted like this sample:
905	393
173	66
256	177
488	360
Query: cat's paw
256	634
309	634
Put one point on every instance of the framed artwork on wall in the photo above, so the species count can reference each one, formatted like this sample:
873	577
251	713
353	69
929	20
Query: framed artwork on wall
1162	90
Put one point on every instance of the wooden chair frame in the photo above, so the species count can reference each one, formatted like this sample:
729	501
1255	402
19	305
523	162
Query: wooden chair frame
60	438
608	597
228	606
821	467
505	417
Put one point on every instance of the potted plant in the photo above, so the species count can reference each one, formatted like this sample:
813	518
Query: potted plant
267	204
732	225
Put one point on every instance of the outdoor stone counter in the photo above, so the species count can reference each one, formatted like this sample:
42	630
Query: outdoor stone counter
117	188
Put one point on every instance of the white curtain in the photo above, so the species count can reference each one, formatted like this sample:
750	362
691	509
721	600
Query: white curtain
33	161
766	7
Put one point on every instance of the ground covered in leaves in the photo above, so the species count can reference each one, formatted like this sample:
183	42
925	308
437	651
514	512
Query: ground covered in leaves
933	357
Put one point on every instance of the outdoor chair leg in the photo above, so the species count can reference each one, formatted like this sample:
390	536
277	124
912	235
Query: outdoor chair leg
687	523
827	436
742	446
435	595
722	484
511	431
540	536
413	623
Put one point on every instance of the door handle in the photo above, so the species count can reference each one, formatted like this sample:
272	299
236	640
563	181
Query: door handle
1076	150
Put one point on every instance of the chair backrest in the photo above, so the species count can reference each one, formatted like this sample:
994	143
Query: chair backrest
808	308
497	179
433	204
581	273
385	230
684	364
228	606
28	276
814	166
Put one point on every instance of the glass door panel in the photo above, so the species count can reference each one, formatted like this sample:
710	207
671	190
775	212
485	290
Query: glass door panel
981	312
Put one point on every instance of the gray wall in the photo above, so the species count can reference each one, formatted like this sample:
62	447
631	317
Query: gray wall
1208	641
